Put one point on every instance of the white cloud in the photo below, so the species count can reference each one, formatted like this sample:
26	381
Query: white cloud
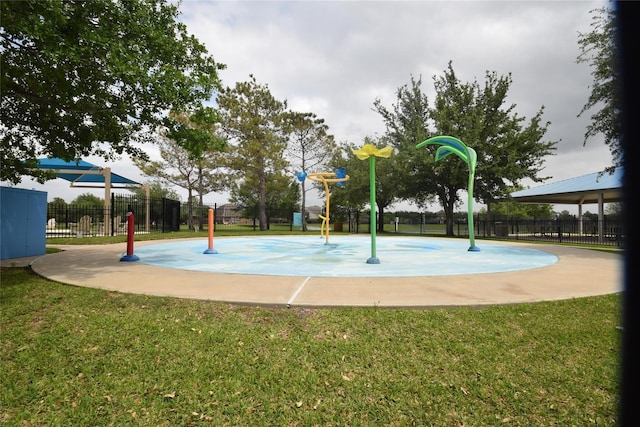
334	58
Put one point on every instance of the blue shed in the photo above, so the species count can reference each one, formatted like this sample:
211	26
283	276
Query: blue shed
23	222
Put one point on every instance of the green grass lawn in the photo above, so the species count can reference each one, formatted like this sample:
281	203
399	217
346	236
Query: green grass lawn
73	356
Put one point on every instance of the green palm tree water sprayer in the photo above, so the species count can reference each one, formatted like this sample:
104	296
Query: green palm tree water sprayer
450	145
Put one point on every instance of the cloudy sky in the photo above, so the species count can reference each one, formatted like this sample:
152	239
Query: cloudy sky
334	58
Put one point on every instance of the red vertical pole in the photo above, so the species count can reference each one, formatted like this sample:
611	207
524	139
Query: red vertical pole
130	231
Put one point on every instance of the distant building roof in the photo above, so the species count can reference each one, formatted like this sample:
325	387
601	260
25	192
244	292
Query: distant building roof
583	189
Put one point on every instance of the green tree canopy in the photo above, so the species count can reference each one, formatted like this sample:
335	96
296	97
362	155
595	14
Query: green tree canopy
86	78
89	200
58	201
407	124
356	192
508	149
513	209
613	209
196	171
198	134
309	147
197	131
253	120
598	48
157	190
283	193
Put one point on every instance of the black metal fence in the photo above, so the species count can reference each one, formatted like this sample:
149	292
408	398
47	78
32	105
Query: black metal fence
149	215
608	232
74	220
153	215
160	215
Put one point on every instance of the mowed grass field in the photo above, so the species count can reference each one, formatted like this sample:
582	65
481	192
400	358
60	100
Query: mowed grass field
74	356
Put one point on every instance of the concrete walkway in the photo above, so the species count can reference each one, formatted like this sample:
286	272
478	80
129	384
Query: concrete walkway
578	273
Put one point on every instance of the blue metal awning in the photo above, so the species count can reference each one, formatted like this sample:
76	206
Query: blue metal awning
592	188
81	173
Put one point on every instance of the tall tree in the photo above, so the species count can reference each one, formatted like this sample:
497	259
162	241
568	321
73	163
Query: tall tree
507	150
156	191
407	124
86	78
195	170
513	209
88	199
309	148
283	195
252	119
355	194
599	48
198	133
58	201
386	177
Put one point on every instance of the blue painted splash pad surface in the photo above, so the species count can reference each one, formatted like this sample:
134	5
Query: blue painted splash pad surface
344	256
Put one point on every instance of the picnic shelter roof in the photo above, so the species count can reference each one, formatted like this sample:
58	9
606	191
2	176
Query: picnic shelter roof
585	189
82	173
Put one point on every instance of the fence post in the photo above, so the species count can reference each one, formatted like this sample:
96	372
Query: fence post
559	231
215	208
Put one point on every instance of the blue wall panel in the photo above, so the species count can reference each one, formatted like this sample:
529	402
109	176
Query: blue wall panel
23	222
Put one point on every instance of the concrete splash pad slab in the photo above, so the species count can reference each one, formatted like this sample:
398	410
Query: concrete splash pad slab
576	273
343	256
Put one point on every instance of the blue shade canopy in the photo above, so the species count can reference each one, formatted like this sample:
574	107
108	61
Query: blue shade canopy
583	189
79	173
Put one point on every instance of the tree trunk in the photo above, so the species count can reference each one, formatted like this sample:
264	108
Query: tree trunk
448	215
262	198
488	227
200	213
304	198
190	209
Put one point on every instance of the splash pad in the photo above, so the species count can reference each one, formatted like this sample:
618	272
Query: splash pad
276	271
345	256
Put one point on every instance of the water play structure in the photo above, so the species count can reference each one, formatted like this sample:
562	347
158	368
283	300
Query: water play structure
424	251
300	271
130	256
340	177
304	256
449	145
210	250
369	151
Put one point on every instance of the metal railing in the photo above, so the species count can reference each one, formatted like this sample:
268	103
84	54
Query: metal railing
606	232
158	215
153	215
